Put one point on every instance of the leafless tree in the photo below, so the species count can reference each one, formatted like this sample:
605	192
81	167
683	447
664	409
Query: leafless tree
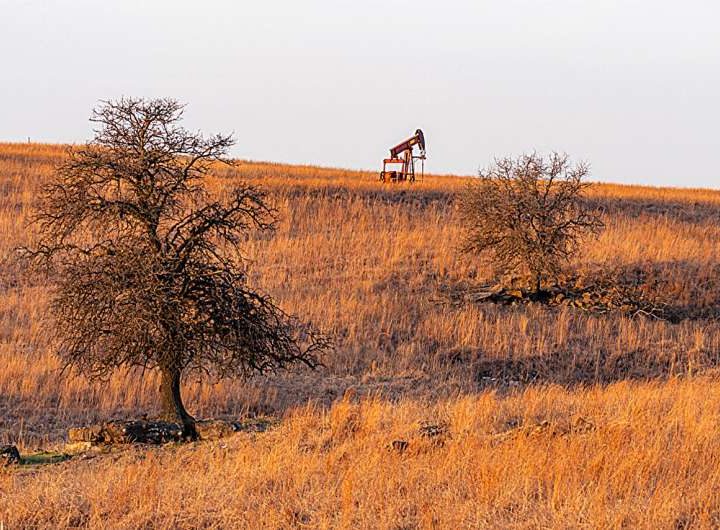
148	270
528	215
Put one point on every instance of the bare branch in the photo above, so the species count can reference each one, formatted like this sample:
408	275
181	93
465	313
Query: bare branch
528	214
148	272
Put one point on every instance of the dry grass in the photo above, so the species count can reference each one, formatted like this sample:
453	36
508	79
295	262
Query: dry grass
625	456
368	263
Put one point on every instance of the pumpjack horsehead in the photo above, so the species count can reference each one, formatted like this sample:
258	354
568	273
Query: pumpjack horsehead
403	155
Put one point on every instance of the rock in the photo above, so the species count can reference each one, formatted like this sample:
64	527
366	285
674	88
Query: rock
256	426
398	445
216	429
124	432
479	296
582	425
152	432
85	434
78	447
437	433
432	430
9	455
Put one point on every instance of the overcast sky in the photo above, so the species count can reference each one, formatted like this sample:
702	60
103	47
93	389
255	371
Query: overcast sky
630	86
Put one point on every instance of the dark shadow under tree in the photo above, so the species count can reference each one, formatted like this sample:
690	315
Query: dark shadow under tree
148	270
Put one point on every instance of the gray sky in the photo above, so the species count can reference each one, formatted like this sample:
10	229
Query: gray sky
630	86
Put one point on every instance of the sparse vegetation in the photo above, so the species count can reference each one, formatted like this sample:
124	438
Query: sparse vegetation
528	215
555	417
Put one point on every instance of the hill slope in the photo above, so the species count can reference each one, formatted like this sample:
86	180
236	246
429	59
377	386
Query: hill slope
373	265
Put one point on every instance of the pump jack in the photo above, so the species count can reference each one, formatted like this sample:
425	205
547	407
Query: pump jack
403	154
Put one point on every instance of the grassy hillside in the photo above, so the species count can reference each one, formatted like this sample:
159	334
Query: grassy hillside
553	416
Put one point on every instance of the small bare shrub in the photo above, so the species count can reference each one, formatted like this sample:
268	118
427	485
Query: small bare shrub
528	215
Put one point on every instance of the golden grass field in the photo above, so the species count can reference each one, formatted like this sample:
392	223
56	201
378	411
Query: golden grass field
555	418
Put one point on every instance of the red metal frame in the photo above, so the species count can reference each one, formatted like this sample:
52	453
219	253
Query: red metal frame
403	154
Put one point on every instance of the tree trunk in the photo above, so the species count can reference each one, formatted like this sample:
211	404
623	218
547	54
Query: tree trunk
173	409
